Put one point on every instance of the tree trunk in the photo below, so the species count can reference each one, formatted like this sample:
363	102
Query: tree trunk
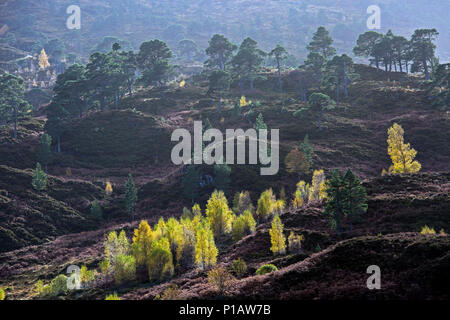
279	76
130	93
219	103
58	147
337	91
102	99
320	118
15	126
345	81
15	120
221	64
241	86
425	67
116	99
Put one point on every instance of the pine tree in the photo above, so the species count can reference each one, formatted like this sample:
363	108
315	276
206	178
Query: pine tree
142	241
220	50
247	64
219	214
355	198
320	102
39	181
12	100
259	123
334	208
96	210
277	237
308	150
130	196
219	83
321	43
402	155
280	54
44	155
222	177
191	183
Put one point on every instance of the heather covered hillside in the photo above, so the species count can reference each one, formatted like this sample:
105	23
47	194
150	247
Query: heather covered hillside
98	202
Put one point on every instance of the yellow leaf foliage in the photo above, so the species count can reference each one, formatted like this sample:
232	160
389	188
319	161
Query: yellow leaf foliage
427	230
142	242
218	213
43	60
317	191
205	247
266	204
243	101
402	155
277	237
108	188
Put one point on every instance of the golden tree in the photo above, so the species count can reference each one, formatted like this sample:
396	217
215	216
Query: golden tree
266	205
43	60
402	155
205	247
277	237
160	265
317	191
196	210
218	213
243	102
301	195
142	242
108	188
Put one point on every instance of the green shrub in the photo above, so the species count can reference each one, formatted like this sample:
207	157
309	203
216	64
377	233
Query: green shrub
56	287
239	267
267	268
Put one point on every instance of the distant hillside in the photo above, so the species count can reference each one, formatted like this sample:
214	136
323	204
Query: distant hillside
290	23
